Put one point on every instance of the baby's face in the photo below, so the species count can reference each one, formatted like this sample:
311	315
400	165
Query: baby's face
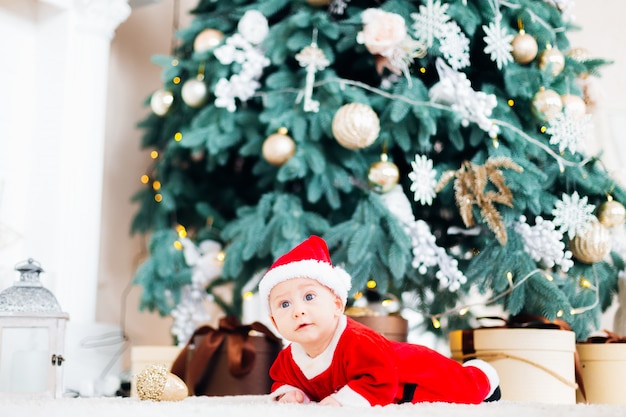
303	310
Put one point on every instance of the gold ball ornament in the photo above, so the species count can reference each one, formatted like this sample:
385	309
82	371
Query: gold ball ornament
611	213
525	48
546	104
383	175
157	384
574	106
207	40
318	2
592	244
579	54
194	92
553	59
355	126
161	101
278	148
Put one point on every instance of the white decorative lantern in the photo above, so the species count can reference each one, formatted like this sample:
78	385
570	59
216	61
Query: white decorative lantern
32	336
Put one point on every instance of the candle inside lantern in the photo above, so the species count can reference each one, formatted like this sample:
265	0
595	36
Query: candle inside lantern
24	360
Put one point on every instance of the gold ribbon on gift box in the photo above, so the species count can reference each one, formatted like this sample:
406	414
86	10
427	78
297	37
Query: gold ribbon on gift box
524	321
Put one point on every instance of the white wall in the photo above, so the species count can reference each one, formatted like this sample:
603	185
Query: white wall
602	35
54	73
132	78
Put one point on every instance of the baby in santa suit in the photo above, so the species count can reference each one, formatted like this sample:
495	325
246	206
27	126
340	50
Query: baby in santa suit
334	360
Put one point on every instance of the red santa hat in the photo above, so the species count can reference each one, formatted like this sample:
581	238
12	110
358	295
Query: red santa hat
310	259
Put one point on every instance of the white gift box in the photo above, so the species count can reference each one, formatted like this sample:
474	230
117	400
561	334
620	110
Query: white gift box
603	366
533	364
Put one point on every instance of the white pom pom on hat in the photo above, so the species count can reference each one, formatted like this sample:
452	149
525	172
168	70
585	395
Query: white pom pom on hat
309	259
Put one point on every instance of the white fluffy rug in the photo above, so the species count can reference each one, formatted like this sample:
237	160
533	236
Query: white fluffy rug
257	406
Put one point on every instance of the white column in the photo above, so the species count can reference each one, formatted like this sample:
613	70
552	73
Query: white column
52	154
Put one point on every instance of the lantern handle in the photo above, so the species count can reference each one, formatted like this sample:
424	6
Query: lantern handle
29	265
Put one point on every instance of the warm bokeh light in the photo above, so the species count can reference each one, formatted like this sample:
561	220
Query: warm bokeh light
182	232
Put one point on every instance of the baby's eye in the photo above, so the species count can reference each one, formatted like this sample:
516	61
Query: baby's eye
309	297
285	304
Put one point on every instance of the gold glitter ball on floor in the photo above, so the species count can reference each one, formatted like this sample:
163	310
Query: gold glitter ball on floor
156	383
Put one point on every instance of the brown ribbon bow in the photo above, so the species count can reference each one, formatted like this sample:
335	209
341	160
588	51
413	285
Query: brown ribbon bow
527	321
194	359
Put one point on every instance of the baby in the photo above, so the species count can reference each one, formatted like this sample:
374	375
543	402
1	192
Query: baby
334	360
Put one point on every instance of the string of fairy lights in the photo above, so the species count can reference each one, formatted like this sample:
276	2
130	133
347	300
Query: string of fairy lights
464	309
561	161
389	303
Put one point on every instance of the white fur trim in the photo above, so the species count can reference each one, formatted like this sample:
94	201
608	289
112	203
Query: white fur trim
312	367
349	397
335	278
488	370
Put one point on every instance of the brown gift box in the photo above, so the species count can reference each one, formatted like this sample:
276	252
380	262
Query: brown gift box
232	360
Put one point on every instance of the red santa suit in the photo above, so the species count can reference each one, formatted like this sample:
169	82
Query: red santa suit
361	367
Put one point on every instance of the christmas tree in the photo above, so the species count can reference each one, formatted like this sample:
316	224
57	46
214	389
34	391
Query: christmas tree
437	146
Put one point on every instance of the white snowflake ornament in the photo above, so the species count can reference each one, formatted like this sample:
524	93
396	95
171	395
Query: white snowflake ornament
569	132
498	42
455	46
423	180
572	214
430	22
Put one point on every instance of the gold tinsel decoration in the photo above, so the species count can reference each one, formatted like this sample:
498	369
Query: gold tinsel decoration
470	189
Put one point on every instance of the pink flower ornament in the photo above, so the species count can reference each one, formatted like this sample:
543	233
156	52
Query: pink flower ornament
382	31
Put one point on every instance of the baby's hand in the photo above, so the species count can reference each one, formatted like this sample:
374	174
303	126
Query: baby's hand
294	396
330	401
